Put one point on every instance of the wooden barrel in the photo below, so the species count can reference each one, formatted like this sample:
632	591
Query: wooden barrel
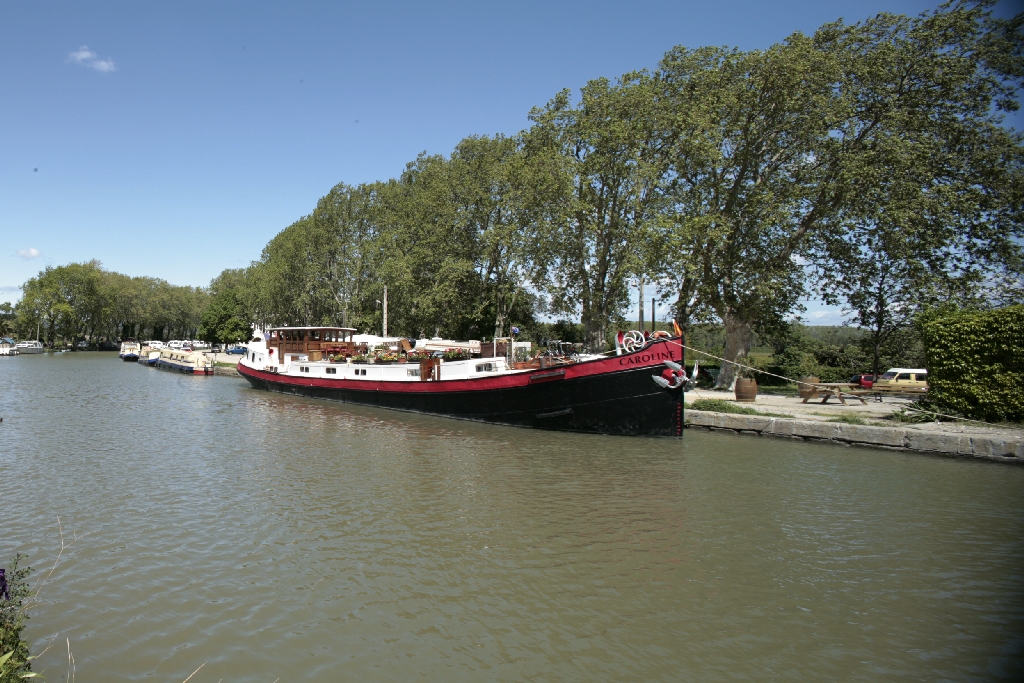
806	386
746	390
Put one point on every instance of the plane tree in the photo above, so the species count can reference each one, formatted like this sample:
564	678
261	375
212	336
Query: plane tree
605	182
775	155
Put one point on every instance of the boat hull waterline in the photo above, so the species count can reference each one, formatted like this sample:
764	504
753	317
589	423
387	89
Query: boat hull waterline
614	395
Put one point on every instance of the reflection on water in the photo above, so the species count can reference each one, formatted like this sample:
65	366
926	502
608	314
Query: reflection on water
275	536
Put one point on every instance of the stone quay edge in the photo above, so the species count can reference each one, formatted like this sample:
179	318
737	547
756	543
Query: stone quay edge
992	448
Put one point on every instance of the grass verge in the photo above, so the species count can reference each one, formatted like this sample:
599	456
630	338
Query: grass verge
717	405
848	419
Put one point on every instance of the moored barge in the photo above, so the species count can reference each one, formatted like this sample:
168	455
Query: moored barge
638	391
186	362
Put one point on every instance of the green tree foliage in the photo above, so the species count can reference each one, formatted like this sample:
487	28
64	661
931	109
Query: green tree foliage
448	238
7	317
83	301
776	155
976	362
611	182
224	320
12	623
934	214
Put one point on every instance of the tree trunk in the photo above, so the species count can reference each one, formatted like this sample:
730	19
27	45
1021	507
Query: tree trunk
594	331
874	365
738	337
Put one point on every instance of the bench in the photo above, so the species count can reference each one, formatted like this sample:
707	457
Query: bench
839	390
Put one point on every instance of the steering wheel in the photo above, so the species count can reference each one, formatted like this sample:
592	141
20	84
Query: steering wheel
633	341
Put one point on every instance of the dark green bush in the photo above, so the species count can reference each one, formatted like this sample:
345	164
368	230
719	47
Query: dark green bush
12	623
975	363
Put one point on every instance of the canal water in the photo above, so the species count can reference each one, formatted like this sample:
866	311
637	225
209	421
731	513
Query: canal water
268	537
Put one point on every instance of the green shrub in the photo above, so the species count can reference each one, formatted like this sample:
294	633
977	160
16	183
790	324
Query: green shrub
975	363
12	623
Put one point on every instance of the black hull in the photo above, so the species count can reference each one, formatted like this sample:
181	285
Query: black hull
626	402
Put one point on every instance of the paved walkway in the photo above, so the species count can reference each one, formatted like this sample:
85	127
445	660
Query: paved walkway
873	413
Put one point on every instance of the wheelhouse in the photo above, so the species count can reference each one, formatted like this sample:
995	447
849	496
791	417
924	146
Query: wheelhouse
316	343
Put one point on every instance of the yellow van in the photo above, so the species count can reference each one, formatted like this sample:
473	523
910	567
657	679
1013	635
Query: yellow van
904	380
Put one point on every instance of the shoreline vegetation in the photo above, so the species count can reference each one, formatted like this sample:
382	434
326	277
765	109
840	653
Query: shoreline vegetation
15	659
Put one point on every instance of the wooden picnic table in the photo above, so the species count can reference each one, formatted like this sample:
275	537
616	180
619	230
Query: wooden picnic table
839	389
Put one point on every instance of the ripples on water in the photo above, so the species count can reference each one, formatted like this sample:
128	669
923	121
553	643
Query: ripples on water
276	536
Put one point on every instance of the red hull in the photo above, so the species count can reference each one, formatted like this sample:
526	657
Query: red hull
613	395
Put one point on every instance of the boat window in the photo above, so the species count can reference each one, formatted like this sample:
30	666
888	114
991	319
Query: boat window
485	367
903	375
304	368
332	371
314	335
413	373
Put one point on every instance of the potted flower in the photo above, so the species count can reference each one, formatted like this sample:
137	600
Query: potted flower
456	354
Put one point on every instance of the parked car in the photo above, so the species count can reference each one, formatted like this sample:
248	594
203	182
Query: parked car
238	350
216	348
906	380
864	380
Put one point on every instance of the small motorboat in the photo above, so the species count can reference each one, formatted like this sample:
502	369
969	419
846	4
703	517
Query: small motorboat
149	357
130	350
8	347
30	347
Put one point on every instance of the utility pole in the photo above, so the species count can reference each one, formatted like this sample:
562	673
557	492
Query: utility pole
641	303
385	310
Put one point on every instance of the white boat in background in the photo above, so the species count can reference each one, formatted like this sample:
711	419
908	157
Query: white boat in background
188	362
30	347
148	356
130	351
8	347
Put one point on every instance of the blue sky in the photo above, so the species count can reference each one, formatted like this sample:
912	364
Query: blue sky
175	139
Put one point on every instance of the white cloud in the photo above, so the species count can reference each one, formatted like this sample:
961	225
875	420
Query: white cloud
87	57
82	54
29	253
10	288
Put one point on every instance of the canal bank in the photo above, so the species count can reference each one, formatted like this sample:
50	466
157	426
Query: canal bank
994	447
